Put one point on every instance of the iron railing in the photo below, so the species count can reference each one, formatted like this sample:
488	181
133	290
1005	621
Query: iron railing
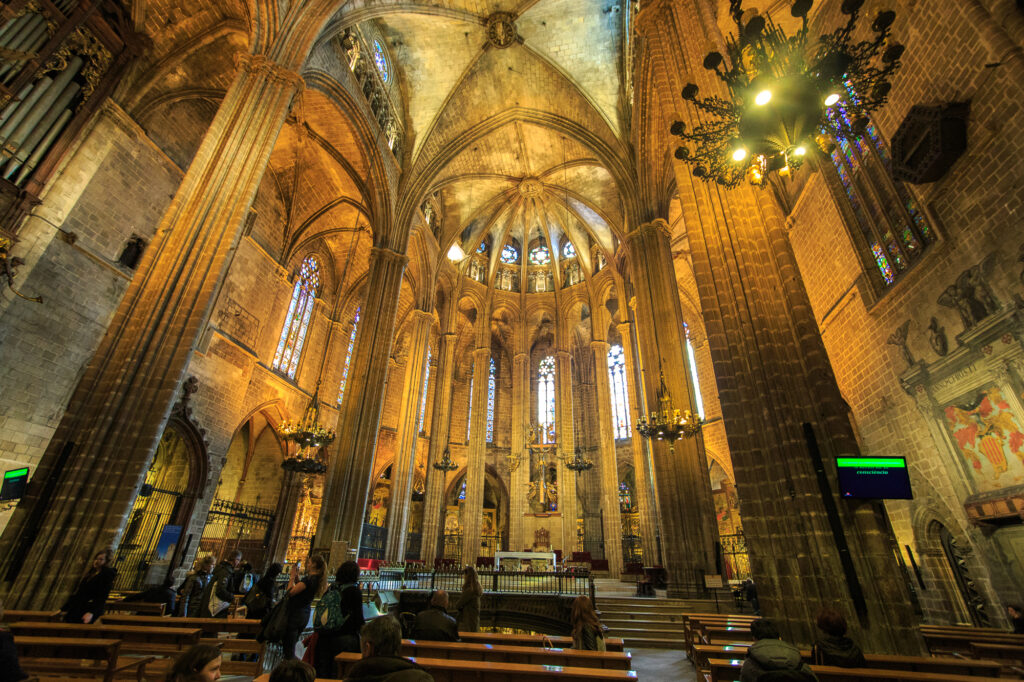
371	546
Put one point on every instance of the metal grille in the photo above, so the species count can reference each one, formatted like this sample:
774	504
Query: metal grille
413	545
489	544
734	551
371	546
453	546
154	508
232	525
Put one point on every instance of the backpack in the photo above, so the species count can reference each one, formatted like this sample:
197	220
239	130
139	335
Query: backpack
256	600
328	614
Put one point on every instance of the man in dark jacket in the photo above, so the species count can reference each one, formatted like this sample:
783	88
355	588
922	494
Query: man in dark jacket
835	648
220	587
10	669
770	658
433	623
380	641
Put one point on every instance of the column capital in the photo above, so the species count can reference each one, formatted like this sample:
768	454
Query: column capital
260	64
562	354
422	316
520	356
600	344
387	255
482	351
643	229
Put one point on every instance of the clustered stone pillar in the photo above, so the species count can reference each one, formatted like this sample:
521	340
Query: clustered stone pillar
611	519
440	421
476	459
681	472
348	478
408	433
78	501
643	493
566	439
520	477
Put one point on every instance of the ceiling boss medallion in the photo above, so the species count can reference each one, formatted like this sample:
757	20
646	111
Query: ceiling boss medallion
785	94
501	29
531	187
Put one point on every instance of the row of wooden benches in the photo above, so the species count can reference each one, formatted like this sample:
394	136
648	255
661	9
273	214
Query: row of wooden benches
717	644
143	646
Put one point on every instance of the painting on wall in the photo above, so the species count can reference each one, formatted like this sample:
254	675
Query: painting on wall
987	433
727	510
378	512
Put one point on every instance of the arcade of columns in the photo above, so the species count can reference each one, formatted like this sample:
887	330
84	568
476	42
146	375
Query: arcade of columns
767	354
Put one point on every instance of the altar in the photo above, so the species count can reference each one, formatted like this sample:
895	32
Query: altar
537	562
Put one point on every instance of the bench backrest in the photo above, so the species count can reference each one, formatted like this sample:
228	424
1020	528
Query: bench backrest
16	616
457	670
500	653
209	626
140	607
728	670
611	643
133	637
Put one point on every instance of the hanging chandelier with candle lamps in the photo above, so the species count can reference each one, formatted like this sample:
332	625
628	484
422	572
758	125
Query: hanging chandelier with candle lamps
309	436
784	93
668	423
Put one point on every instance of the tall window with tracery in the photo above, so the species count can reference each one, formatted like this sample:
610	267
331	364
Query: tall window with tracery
348	356
619	397
693	375
293	334
423	398
889	227
491	385
546	398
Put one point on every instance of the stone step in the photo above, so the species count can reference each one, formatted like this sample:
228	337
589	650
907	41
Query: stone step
645	642
642	624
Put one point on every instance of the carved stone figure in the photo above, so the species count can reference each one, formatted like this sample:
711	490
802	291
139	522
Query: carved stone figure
132	252
971	296
899	339
937	337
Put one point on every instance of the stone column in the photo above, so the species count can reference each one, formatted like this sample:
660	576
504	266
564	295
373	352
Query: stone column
566	438
81	494
476	458
440	421
520	478
408	433
645	501
284	516
607	469
348	479
683	487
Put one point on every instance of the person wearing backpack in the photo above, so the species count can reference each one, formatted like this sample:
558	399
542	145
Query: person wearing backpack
261	597
338	619
190	594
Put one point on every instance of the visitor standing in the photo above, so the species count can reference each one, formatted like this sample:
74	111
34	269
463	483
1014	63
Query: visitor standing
218	594
338	619
1016	613
190	594
587	631
301	592
89	599
261	597
468	605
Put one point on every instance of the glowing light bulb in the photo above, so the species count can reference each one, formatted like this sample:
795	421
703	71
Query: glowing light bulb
739	154
763	98
455	253
799	151
831	99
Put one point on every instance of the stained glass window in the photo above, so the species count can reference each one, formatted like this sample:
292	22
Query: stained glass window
625	499
491	385
423	398
482	248
381	60
619	397
540	255
693	375
568	250
348	356
296	323
462	491
889	223
509	254
546	398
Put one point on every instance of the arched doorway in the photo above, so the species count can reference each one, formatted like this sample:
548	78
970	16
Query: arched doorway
243	509
375	533
150	545
493	522
948	558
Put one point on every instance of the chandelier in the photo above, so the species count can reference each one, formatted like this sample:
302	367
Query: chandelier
784	95
668	423
578	462
309	436
446	464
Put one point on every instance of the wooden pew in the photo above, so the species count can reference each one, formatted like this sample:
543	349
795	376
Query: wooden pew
501	653
1006	653
922	664
143	608
65	657
728	670
611	643
211	629
134	638
957	640
451	670
16	616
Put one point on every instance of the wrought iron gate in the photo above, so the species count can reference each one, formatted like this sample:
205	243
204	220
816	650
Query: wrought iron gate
154	508
232	525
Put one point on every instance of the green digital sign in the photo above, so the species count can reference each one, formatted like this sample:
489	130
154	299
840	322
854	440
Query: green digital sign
879	478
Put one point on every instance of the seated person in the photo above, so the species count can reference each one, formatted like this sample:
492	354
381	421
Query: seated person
835	648
433	623
771	658
291	670
10	670
380	641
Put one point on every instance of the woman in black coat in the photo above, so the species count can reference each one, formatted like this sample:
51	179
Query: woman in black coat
89	599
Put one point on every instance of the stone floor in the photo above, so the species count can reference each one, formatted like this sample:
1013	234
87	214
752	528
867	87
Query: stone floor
662	665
